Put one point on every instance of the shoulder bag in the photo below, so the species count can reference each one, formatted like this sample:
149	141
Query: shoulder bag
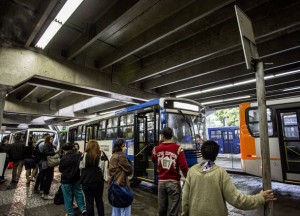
104	164
53	161
120	196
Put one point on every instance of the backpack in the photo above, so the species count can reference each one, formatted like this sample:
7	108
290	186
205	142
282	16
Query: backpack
59	197
36	154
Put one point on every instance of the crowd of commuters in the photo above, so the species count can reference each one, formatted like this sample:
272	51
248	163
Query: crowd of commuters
206	190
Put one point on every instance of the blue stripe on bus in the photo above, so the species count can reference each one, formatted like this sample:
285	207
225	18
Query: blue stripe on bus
138	106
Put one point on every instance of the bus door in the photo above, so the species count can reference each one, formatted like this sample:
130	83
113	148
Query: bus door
227	141
143	165
289	142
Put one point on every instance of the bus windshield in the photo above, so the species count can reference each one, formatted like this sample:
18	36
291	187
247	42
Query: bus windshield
184	129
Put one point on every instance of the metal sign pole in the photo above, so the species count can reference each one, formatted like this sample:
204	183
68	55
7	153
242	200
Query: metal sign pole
253	62
264	138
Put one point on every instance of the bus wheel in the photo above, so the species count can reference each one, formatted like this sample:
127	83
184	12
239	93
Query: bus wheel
134	182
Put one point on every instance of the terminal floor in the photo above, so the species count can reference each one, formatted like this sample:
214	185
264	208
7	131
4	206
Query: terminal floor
20	200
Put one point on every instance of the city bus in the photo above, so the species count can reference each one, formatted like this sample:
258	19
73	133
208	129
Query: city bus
283	118
228	138
140	127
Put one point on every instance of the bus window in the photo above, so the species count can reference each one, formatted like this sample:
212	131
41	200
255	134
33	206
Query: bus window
216	134
253	122
237	134
112	130
101	131
290	125
182	130
126	126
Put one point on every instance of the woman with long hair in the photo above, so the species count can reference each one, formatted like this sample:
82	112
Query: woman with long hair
119	170
48	173
92	178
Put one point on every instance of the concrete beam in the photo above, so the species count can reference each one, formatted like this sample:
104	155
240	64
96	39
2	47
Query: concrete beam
26	93
272	86
30	63
218	40
50	95
213	72
106	107
177	21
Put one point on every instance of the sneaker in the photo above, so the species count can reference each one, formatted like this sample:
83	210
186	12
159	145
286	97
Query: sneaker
48	197
83	213
43	195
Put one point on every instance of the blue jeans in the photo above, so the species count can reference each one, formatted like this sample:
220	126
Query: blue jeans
68	191
121	211
169	197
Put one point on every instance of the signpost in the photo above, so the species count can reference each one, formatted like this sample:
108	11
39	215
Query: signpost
254	63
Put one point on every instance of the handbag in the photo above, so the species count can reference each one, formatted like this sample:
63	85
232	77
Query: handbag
104	164
53	161
120	196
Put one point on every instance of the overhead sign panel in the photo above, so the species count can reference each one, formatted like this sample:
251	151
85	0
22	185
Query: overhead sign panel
247	37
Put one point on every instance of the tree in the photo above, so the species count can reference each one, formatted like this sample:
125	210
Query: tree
229	117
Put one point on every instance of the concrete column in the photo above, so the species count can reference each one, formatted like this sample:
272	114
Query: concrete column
2	103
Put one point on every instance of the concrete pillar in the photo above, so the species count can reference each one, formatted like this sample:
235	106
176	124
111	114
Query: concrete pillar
2	103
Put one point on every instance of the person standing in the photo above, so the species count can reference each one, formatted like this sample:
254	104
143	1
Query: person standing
169	158
119	170
4	148
48	172
16	154
70	179
30	165
208	187
92	178
199	142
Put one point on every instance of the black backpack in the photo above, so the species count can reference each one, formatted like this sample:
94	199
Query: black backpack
59	197
36	154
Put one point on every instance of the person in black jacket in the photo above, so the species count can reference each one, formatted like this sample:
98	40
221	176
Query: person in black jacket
16	154
70	179
4	147
29	163
48	172
92	178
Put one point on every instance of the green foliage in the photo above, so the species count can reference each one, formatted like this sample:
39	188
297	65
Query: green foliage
229	117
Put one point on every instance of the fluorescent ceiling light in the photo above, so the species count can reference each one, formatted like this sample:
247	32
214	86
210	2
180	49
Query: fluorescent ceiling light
67	10
72	120
224	100
287	73
48	34
237	83
292	88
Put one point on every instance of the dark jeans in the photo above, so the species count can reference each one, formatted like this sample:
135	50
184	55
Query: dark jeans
48	177
169	197
39	179
94	191
4	168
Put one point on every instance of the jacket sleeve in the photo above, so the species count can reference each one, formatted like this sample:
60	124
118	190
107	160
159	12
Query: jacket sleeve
182	162
237	199
125	165
185	197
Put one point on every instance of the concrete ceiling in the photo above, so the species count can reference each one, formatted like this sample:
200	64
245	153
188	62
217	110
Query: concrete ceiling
126	52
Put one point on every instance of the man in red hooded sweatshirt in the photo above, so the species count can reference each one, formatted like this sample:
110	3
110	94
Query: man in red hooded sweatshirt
169	158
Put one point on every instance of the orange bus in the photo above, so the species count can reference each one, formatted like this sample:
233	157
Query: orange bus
284	139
